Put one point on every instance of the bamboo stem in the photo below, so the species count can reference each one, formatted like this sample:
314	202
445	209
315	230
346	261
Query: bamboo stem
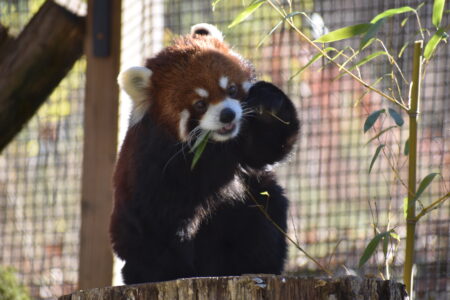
412	168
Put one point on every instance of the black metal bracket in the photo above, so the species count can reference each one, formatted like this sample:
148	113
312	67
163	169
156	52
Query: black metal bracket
101	31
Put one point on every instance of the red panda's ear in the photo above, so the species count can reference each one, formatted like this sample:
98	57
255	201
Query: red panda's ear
135	82
206	29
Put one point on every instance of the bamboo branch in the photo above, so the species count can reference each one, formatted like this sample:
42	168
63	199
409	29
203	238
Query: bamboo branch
324	54
432	206
264	212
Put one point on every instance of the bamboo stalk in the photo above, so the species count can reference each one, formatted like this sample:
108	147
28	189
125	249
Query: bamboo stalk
412	167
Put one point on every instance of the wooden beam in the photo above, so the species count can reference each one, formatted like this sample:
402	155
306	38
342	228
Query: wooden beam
34	63
100	143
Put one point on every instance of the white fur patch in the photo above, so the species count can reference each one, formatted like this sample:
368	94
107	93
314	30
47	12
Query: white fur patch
135	82
211	119
137	112
246	85
183	130
202	92
211	30
223	82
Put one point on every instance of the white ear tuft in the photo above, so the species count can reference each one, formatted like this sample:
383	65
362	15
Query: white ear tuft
206	29
135	81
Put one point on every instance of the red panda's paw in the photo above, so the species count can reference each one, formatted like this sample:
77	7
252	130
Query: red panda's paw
269	103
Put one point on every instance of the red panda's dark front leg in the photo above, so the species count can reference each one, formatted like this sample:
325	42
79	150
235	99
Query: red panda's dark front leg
270	131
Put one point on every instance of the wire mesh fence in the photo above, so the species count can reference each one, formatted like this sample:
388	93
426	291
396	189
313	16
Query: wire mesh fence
40	173
334	201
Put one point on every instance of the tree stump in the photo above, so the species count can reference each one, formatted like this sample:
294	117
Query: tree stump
254	287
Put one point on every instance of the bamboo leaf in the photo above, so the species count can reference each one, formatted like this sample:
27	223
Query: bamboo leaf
367	59
396	117
371	247
265	193
311	61
403	49
375	156
367	91
199	147
433	42
424	184
269	34
405	207
247	12
406	149
391	12
394	235
380	134
372	118
385	245
214	4
438	10
344	33
370	34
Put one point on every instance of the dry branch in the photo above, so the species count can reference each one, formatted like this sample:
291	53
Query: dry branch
34	63
255	287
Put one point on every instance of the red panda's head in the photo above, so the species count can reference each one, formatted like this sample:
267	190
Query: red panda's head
196	85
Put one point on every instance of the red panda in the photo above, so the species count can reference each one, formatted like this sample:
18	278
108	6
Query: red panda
171	220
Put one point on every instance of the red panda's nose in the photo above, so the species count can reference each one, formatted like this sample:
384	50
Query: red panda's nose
227	115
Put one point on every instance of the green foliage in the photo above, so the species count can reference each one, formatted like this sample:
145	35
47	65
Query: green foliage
438	11
373	244
375	156
396	117
433	42
406	148
253	6
199	147
391	12
371	33
424	184
10	288
344	33
372	118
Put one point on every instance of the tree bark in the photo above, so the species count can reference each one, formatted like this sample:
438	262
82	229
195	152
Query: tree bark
254	287
34	63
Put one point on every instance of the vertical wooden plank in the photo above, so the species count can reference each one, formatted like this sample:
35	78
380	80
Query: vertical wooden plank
100	146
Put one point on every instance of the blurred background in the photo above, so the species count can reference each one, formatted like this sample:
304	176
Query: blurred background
335	202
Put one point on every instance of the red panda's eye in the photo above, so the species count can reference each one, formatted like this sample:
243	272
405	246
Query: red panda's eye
200	106
232	90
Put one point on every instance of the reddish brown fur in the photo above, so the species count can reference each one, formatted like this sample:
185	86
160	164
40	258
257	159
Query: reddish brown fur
191	63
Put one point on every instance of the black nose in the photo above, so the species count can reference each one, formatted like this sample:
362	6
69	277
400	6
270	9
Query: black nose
227	115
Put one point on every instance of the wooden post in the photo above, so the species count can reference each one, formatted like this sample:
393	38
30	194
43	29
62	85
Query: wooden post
255	287
100	143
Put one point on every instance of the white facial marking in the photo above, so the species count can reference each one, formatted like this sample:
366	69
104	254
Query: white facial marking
137	112
182	129
202	92
246	85
223	82
211	119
